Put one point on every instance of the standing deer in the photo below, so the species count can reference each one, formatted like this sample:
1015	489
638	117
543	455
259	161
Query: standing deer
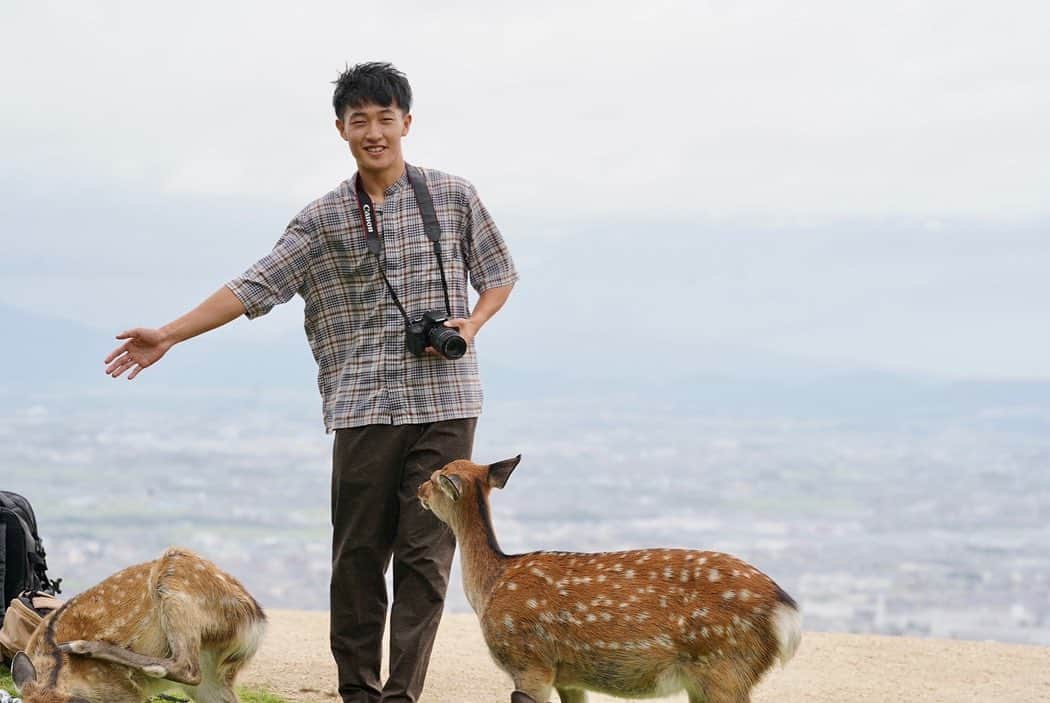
177	621
634	624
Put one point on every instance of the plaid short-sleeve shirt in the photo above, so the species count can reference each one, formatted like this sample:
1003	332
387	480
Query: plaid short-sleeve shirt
365	373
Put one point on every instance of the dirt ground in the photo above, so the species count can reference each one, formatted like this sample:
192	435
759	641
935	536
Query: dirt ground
829	668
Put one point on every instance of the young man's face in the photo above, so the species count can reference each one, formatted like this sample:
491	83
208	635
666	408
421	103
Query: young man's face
374	133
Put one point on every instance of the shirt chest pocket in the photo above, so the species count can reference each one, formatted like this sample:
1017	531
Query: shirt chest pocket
422	259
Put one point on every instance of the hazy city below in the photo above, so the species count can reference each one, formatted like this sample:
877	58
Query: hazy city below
917	513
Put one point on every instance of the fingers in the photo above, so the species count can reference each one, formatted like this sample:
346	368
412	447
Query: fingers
116	352
135	372
122	364
458	322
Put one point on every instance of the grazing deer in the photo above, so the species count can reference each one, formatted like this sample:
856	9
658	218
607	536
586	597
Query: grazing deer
177	621
635	624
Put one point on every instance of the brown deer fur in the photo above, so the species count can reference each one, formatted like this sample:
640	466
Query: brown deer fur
174	622
632	624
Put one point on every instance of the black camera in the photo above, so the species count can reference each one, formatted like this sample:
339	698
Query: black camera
430	331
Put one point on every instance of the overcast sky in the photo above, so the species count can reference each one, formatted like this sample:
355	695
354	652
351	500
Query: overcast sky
863	181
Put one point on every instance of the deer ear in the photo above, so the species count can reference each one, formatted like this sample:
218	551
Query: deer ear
501	471
22	670
451	485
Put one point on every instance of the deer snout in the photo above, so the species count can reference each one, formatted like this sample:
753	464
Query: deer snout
424	493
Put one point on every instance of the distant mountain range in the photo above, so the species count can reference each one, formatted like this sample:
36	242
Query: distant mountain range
51	355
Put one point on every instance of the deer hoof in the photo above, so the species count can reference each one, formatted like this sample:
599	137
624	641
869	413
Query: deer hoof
521	697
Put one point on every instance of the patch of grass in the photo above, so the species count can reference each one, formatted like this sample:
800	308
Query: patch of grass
247	695
6	683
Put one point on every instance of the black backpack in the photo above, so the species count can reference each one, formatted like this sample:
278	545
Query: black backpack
23	563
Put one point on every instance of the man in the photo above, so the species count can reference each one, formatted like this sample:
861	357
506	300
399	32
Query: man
362	260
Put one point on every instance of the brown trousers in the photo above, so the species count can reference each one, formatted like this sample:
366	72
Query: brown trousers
376	471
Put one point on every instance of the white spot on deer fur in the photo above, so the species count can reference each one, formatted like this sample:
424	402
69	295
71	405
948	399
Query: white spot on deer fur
668	572
508	622
667	557
704	632
663	601
685	575
699	613
601	578
563	592
701	561
629	574
511	586
681	622
728	595
745	594
591	617
652	574
607	617
713	575
581	607
531	602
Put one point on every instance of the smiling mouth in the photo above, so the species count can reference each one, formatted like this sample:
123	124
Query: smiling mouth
375	149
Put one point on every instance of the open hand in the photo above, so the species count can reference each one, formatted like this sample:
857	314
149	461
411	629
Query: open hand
144	348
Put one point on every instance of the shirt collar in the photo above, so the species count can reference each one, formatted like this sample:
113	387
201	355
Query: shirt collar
393	188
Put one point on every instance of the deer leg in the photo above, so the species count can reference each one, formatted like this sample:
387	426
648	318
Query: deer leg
572	695
151	666
533	686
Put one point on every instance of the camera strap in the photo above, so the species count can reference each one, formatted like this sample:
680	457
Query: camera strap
431	227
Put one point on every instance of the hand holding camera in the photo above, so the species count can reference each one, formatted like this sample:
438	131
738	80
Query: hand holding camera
435	332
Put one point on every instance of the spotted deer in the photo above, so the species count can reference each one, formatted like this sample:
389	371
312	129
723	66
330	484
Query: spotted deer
175	622
635	624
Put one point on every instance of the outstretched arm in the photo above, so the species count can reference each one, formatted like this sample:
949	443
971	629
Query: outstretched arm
145	347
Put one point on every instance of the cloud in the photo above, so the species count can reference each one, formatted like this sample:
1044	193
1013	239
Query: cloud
717	108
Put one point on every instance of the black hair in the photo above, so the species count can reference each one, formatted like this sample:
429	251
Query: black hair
372	82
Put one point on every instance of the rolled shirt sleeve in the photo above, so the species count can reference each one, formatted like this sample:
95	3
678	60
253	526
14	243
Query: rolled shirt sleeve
276	277
488	258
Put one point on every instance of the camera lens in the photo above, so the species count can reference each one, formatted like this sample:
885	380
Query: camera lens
448	342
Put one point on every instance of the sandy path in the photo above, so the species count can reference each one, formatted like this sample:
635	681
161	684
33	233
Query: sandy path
829	668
